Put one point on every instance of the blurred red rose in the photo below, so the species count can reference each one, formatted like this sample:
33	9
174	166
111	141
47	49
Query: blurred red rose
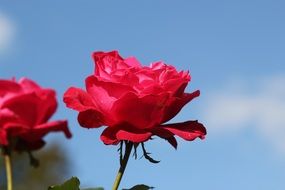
134	101
25	109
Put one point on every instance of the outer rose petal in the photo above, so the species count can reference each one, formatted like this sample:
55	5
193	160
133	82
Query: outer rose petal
41	103
11	123
77	99
90	119
19	105
38	132
109	136
90	115
140	112
135	136
7	116
28	85
176	86
113	135
47	106
8	89
188	130
175	104
9	86
128	132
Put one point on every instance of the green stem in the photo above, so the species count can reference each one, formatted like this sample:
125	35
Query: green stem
129	146
7	158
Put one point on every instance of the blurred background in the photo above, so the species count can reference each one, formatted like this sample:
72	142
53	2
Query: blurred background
235	51
54	166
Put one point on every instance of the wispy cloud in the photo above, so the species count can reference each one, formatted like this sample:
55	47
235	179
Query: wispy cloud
242	104
7	31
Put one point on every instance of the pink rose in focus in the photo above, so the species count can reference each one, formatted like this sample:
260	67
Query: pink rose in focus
134	101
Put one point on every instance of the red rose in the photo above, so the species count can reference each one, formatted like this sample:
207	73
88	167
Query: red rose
133	101
25	109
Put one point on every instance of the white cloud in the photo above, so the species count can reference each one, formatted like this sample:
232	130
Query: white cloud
7	31
244	104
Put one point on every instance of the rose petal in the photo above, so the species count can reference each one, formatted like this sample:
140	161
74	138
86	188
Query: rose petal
188	130
41	103
175	104
125	77
145	75
9	86
28	85
11	123
8	116
108	136
152	88
77	99
132	61
113	135
176	86
39	131
90	119
105	93
179	91
108	62
46	106
8	89
140	112
135	137
129	133
19	104
167	73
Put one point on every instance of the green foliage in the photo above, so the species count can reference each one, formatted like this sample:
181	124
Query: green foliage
140	187
71	184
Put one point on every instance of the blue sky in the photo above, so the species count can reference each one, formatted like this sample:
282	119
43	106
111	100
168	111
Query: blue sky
233	49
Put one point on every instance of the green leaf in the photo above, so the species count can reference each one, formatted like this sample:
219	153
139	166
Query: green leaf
140	187
71	184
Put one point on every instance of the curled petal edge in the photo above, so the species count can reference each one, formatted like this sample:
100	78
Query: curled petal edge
113	135
189	130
